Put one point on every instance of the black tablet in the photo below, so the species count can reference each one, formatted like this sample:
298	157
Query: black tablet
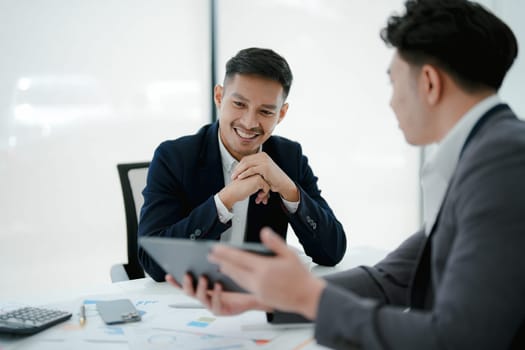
178	256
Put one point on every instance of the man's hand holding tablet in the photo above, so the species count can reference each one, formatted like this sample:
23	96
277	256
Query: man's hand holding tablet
180	257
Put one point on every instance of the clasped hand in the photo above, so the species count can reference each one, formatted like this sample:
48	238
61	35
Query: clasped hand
258	173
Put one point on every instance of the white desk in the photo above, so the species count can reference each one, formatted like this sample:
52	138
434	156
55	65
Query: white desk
163	322
160	324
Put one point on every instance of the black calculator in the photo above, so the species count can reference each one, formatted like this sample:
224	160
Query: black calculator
29	320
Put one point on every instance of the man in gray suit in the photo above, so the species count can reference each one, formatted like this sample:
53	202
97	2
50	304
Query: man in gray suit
459	283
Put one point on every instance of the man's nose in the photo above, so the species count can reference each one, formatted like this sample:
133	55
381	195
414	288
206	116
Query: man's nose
249	119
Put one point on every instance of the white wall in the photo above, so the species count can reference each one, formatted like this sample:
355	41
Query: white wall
339	106
86	85
512	91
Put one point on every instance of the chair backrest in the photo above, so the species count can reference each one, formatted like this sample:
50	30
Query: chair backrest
133	180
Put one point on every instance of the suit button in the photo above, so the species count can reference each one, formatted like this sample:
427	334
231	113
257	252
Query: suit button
197	232
312	223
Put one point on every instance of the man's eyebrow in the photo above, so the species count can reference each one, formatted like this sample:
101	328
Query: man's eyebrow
273	107
239	96
242	98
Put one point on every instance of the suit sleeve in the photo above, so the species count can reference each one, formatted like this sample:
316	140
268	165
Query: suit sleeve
318	230
478	301
167	211
387	282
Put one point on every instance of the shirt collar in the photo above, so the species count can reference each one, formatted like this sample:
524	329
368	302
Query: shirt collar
444	156
228	162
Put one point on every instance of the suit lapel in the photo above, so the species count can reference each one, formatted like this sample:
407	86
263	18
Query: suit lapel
422	289
211	178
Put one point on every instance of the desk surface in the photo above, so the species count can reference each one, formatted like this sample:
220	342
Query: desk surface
162	324
162	327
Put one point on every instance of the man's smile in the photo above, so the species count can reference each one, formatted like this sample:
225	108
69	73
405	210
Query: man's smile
246	134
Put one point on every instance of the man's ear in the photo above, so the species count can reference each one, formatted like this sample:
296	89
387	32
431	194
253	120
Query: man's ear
217	95
432	84
282	112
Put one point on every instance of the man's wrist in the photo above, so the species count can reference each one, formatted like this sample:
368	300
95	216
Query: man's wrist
223	213
223	196
311	299
257	305
291	193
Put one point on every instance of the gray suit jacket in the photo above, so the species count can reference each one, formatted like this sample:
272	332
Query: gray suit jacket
465	282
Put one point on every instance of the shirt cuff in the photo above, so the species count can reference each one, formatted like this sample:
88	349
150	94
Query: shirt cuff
291	206
224	214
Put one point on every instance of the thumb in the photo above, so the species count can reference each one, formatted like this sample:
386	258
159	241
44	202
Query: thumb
273	241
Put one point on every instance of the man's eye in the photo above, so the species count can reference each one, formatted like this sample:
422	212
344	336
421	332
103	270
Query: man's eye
266	113
238	104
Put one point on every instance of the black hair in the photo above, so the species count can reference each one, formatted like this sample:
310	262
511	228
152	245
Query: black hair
262	62
461	37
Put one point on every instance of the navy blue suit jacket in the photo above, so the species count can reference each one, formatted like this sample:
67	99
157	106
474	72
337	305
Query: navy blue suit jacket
186	173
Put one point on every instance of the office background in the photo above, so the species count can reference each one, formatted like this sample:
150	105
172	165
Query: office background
89	84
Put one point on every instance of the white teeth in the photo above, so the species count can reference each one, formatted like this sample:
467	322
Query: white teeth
246	135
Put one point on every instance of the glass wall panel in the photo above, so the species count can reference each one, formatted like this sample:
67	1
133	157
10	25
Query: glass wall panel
86	85
511	11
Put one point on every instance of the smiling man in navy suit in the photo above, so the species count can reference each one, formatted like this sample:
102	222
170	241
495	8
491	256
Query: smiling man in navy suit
459	282
233	177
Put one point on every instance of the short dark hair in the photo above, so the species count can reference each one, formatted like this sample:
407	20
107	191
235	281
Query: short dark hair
461	37
262	62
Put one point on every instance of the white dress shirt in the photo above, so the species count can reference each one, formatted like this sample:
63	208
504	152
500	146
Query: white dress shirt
239	213
443	158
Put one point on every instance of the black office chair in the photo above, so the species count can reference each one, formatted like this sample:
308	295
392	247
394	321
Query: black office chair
132	180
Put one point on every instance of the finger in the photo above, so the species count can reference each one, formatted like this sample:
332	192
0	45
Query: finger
274	242
216	304
262	197
239	265
264	185
244	174
202	291
251	161
246	163
264	193
245	278
172	281
243	165
187	285
259	163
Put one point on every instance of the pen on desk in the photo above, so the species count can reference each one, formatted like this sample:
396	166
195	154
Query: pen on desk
82	316
271	326
186	306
